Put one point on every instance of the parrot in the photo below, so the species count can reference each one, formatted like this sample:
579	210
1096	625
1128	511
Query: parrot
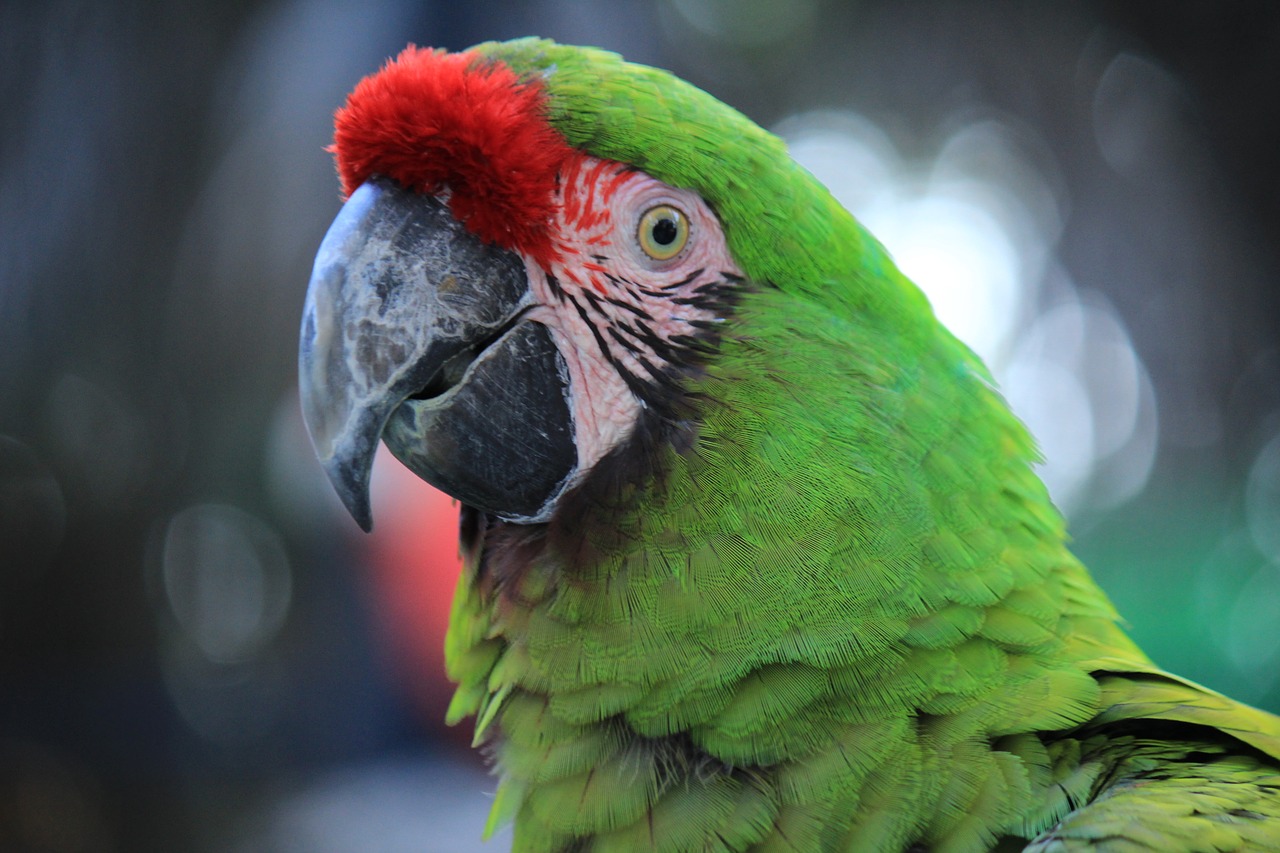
755	556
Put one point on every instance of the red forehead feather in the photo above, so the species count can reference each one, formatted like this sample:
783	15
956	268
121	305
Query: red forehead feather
438	121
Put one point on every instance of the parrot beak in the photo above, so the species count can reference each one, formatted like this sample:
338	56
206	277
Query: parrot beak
413	331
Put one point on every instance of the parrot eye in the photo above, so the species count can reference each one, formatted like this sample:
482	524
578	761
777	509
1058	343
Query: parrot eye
663	232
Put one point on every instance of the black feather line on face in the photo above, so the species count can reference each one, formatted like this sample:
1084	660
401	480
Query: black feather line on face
672	359
615	332
689	279
624	304
644	332
668	362
595	332
634	385
553	284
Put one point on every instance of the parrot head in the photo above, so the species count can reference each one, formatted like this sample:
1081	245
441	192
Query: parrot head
529	272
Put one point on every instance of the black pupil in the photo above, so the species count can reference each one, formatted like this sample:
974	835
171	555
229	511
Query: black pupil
665	231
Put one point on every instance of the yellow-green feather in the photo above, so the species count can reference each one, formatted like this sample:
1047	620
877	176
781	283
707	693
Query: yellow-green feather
846	617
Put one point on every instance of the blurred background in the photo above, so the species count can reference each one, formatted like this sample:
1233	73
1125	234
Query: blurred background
199	651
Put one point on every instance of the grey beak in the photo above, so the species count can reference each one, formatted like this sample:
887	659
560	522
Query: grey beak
411	320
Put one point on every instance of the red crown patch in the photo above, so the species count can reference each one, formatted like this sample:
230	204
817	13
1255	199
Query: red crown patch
439	122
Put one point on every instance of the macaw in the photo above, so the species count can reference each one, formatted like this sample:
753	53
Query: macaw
755	556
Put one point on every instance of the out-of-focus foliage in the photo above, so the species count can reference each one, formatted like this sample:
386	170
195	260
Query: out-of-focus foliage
194	653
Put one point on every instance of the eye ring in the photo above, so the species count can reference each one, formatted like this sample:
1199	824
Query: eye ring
663	232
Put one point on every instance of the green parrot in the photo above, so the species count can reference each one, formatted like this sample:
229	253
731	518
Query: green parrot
755	558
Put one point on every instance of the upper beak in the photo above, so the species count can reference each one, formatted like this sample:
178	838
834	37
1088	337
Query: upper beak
404	303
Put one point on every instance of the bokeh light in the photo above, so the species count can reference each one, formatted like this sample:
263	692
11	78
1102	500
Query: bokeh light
227	580
975	227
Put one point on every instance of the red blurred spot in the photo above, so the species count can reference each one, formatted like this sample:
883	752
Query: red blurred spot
414	564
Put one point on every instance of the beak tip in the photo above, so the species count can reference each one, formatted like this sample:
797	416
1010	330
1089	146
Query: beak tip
358	507
350	479
364	519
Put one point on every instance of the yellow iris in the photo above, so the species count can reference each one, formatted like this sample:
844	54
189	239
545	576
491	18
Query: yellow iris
663	232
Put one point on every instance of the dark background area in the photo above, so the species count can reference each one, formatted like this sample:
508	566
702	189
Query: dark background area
193	653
